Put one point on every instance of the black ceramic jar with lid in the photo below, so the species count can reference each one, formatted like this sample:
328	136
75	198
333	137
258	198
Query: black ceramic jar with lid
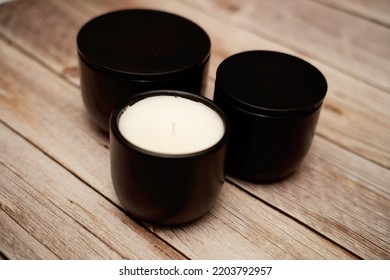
126	52
273	102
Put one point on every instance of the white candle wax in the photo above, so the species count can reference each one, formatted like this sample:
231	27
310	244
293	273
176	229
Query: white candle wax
171	125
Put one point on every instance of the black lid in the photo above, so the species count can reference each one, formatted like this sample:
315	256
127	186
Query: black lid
271	83
143	44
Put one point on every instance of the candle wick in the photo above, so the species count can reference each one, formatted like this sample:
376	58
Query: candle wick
173	127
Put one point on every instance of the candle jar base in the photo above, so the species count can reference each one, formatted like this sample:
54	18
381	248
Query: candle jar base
172	192
264	149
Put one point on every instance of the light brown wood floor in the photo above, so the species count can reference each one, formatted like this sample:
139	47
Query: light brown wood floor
56	196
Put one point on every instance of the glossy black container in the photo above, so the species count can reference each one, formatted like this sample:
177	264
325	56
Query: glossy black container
162	188
273	102
126	52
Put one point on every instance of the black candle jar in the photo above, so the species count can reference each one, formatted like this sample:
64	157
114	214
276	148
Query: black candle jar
131	51
273	102
165	188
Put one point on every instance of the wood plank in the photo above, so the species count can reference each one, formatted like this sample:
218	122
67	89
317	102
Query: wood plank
19	18
355	115
69	144
64	214
268	233
23	125
344	110
375	10
235	46
353	208
17	243
353	45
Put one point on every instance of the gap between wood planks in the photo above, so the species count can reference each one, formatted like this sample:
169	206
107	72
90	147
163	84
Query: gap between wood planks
359	10
150	227
140	223
119	207
81	203
72	83
278	34
290	216
60	166
40	251
354	141
31	54
50	71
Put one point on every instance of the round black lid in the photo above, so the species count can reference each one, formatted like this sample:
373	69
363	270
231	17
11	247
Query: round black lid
143	44
271	83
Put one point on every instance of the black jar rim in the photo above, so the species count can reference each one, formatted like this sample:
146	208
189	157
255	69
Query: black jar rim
116	113
111	41
234	81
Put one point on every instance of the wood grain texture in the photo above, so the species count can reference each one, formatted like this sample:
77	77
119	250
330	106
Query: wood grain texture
44	38
17	243
355	46
44	134
63	214
268	234
339	198
374	10
353	207
355	114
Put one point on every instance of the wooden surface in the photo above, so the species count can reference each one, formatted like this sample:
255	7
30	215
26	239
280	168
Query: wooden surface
56	196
